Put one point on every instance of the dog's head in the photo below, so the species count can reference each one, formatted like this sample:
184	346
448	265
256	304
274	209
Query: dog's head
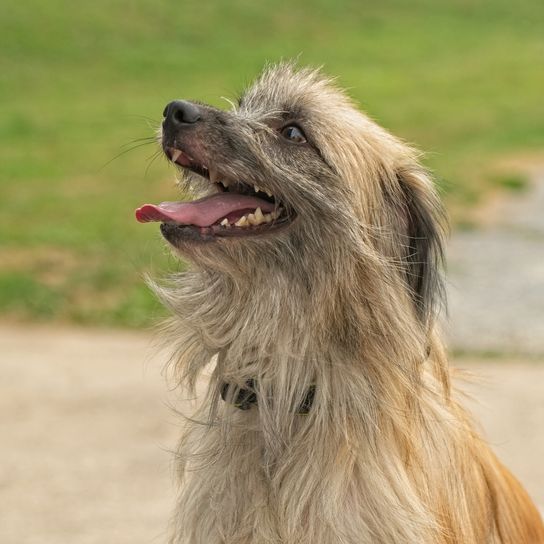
296	177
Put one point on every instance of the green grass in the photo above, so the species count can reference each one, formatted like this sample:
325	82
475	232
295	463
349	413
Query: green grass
80	80
512	182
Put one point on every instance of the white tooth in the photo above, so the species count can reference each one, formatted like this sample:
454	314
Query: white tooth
242	222
225	183
252	220
214	176
225	222
268	193
267	217
256	188
175	155
278	212
259	216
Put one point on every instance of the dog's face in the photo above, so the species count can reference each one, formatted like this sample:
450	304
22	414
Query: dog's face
294	172
261	168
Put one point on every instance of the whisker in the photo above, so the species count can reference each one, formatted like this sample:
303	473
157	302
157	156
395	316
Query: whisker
122	153
148	139
144	117
151	159
230	102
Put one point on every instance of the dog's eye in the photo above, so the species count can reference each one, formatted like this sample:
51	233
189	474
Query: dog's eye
294	134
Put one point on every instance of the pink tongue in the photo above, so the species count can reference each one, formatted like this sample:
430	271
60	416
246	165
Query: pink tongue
203	212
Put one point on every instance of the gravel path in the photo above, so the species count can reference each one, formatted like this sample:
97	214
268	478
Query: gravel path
496	279
86	435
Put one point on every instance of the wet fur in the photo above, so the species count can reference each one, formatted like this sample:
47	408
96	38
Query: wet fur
345	299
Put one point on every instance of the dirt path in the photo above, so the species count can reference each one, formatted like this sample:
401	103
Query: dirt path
86	433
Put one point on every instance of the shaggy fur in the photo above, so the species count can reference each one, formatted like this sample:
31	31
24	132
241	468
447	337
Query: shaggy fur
345	298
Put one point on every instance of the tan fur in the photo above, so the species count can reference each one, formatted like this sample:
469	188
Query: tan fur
345	299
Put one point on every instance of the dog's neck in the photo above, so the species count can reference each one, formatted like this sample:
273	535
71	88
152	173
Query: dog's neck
364	361
273	329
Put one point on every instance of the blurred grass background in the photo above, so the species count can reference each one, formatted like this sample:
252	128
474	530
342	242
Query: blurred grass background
81	82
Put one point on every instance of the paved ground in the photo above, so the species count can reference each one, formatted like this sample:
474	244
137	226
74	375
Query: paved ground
496	278
86	432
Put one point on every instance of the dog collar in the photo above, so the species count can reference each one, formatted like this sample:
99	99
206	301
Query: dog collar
246	397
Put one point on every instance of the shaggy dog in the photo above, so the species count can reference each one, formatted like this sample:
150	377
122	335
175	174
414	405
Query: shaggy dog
316	249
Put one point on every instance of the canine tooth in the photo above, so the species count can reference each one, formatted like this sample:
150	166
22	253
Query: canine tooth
259	215
256	188
175	155
242	222
225	222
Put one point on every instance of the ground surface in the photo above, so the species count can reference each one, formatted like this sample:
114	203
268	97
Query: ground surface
84	431
496	277
86	434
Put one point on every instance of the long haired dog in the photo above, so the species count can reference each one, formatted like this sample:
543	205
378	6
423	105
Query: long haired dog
316	249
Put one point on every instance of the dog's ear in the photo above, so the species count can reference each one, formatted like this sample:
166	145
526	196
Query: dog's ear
423	240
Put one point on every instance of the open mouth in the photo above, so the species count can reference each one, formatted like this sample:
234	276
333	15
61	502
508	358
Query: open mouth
234	208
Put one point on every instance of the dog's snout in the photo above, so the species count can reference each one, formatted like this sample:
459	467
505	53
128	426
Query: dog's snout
181	112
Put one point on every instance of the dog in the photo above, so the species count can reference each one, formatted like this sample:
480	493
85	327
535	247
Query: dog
316	251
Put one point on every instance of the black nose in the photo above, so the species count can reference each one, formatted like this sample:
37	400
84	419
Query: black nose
180	112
